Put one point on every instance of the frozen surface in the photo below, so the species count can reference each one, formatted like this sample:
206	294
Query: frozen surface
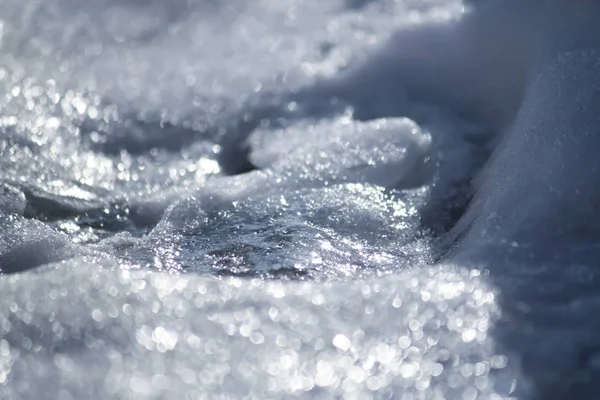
211	199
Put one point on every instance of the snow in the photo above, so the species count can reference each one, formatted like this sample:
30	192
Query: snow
296	199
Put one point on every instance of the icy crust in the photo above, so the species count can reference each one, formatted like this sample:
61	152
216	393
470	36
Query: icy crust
342	231
89	329
310	213
387	152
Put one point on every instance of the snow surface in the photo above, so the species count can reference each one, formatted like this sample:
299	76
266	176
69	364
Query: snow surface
258	199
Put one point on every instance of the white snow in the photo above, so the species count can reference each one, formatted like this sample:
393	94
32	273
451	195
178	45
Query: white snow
251	199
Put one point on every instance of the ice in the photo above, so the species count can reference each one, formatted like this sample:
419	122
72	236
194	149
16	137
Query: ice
305	233
293	199
386	152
